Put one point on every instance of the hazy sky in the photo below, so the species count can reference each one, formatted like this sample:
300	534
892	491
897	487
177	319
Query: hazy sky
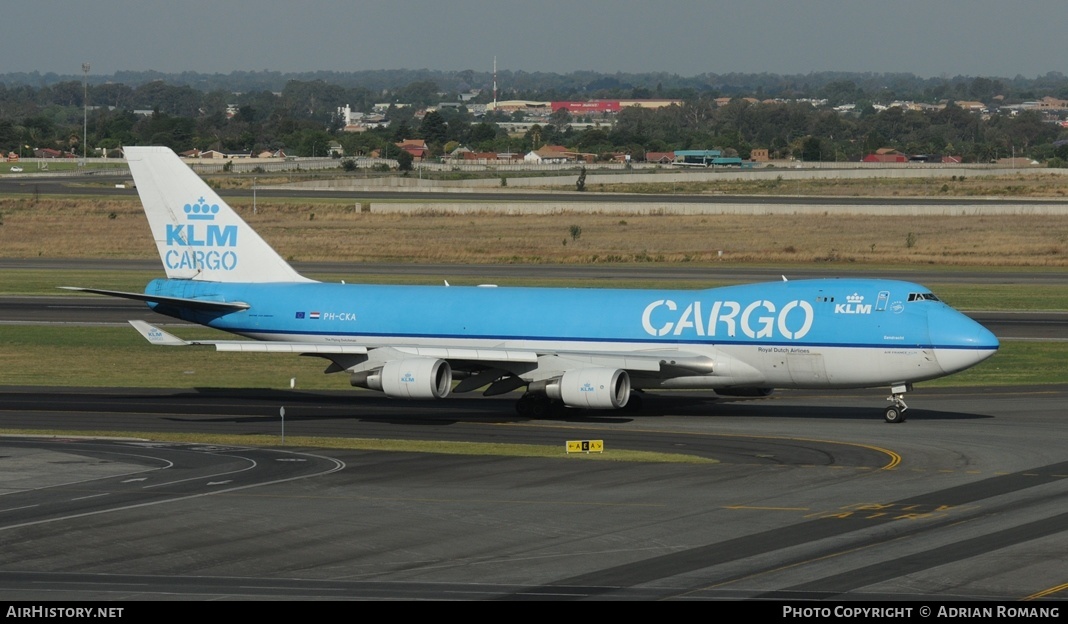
993	38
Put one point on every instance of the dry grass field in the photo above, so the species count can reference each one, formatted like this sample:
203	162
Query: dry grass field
322	230
1035	183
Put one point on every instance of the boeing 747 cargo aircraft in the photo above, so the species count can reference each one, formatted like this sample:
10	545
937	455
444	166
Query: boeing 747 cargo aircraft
566	347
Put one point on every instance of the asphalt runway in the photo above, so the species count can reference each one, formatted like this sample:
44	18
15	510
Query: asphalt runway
104	185
810	496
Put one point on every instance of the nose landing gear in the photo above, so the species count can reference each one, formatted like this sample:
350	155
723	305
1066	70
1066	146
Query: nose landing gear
896	412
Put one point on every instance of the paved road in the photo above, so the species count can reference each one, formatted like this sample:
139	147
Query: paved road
115	475
105	186
813	497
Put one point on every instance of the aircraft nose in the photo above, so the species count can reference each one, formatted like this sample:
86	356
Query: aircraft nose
959	341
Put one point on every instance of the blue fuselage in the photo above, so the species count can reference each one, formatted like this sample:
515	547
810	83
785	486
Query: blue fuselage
757	324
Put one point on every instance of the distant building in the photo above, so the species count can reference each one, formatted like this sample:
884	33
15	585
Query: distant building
416	147
885	155
577	107
649	103
217	155
549	154
705	158
977	107
1050	103
935	158
355	121
519	105
592	106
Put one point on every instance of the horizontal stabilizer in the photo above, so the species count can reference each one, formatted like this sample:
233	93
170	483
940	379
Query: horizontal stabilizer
196	304
157	336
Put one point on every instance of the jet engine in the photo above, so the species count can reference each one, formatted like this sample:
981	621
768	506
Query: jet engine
595	388
414	378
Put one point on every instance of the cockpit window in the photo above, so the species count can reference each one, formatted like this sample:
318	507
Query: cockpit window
923	297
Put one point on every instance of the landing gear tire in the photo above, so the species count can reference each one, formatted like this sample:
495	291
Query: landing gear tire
634	403
527	405
539	406
894	415
896	412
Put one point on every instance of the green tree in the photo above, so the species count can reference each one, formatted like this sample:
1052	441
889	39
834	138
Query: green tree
419	93
433	129
812	149
404	161
483	133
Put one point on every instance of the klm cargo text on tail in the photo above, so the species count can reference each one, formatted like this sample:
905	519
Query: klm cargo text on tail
201	244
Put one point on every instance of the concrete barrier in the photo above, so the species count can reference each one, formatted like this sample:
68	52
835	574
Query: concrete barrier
902	208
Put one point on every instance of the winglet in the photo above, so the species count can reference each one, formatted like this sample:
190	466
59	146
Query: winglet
157	336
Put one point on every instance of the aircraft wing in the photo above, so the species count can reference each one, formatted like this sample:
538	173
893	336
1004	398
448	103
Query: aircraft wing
666	362
157	336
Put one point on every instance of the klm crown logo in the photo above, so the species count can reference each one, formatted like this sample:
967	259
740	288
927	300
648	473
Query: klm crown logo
854	305
201	211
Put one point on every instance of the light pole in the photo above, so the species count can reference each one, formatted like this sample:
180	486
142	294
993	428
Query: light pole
85	108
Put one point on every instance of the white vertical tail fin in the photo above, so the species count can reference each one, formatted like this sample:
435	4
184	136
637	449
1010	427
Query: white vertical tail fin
198	235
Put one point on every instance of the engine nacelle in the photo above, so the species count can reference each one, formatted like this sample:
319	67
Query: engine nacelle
414	378
594	388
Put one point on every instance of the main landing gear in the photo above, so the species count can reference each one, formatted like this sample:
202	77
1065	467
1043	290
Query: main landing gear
537	405
896	412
